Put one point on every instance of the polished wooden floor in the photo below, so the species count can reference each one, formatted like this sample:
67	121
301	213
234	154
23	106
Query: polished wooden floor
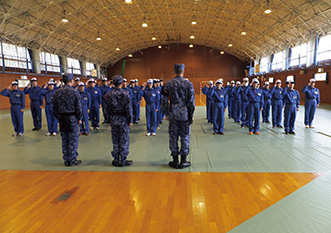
34	201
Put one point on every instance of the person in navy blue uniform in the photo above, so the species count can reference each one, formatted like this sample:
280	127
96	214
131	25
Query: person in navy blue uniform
267	103
118	109
77	82
244	103
104	89
134	100
291	100
156	86
179	110
150	96
17	101
208	90
220	101
36	102
160	112
86	106
96	103
236	108
67	108
48	93
230	89
255	98
312	95
277	104
140	97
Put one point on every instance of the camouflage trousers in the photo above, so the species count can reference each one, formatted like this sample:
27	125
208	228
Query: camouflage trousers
120	136
70	141
180	129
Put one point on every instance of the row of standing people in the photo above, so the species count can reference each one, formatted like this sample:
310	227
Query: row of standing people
245	102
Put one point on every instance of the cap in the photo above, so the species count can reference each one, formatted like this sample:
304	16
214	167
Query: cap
124	80
117	79
136	80
52	80
77	79
33	79
91	80
14	83
81	84
266	83
179	67
245	80
150	81
132	81
233	82
255	80
67	77
51	83
238	82
210	82
278	81
104	79
219	81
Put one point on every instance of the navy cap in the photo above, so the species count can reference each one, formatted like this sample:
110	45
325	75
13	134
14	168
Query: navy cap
179	67
117	79
67	77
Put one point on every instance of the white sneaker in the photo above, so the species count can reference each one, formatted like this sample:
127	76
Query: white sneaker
148	134
311	126
48	134
158	128
15	134
307	126
92	128
154	134
54	134
19	134
96	128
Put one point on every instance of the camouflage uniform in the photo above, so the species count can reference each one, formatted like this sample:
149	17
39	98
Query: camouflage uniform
180	112
118	111
67	108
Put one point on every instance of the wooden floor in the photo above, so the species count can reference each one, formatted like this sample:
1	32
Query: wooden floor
34	201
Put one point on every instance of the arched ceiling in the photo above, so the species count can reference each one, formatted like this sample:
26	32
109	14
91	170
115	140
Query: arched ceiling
37	24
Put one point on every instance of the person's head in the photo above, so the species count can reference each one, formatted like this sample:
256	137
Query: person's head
233	83
210	83
77	81
246	82
161	82
150	83
104	82
137	82
118	81
81	86
179	69
256	83
91	83
34	82
266	85
51	85
125	83
14	85
238	83
312	82
219	83
278	83
133	83
291	85
68	79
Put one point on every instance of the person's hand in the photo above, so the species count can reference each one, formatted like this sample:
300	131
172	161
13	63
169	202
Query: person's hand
166	117
297	109
156	110
144	84
10	86
28	85
88	111
41	107
130	124
100	106
317	105
261	109
283	106
22	110
224	109
79	122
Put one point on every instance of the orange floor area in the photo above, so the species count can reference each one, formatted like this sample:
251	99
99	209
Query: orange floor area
34	201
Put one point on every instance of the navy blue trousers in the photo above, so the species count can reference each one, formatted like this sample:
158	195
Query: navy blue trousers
36	113
150	118
310	109
266	110
290	113
95	115
51	119
17	118
254	113
84	126
277	106
218	110
244	113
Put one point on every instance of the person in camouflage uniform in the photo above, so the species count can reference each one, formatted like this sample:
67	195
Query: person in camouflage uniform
118	111
179	112
67	108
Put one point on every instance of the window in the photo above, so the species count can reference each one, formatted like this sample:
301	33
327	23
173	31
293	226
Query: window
49	61
277	61
324	48
298	55
89	68
263	65
74	66
16	56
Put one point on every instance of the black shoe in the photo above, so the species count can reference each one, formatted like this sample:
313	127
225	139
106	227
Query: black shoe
268	122
76	162
34	129
138	118
161	122
126	163
115	163
279	126
286	132
183	162
291	132
67	163
221	133
103	123
174	163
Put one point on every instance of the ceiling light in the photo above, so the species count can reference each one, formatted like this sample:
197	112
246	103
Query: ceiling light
194	22
128	1
230	45
243	33
130	55
222	52
98	38
144	25
117	49
160	47
64	17
153	38
267	11
191	46
192	37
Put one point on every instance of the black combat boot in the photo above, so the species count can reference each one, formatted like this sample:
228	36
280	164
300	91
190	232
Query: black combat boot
183	162
174	163
124	162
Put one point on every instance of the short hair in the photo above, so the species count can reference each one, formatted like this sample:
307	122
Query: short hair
179	71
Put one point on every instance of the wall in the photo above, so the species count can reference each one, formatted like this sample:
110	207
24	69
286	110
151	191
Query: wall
201	64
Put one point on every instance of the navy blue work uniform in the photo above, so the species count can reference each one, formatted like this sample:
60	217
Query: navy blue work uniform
291	99
17	101
36	102
86	105
236	108
220	100
150	97
266	105
312	96
277	106
51	119
244	106
180	112
96	101
134	102
67	108
230	100
104	89
119	113
139	101
255	98
158	103
209	102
